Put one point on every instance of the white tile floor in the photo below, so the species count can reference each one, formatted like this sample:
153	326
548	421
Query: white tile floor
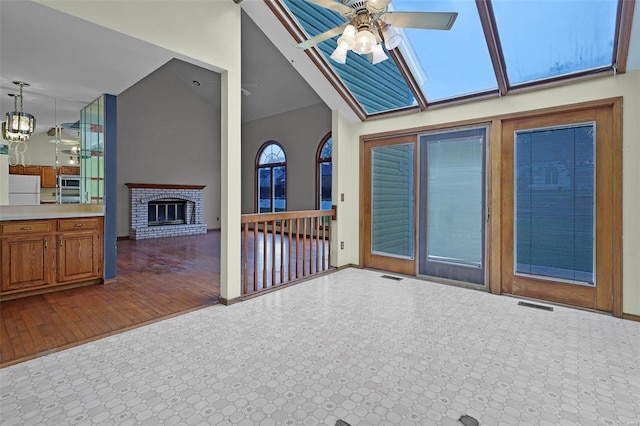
350	345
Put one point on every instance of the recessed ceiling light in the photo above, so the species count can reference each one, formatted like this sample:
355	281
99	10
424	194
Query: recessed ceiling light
196	82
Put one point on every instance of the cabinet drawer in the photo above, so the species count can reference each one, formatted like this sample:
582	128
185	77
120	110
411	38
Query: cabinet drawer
78	224
24	227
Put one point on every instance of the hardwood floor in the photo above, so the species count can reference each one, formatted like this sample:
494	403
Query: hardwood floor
157	279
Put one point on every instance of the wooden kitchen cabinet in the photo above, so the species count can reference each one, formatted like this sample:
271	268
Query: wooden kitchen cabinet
79	249
69	170
39	256
27	255
31	170
48	177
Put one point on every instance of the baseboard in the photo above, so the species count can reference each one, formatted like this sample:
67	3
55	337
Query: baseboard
125	237
348	265
631	317
110	281
228	302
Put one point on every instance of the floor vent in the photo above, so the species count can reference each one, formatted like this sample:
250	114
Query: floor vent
468	420
390	277
533	305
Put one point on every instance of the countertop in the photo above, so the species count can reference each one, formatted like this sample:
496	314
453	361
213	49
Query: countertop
50	211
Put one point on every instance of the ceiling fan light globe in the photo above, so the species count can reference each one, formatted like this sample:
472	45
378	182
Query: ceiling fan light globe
339	55
349	31
365	42
378	55
392	38
346	42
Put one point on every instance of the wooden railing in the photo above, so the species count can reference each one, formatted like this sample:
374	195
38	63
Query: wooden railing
284	247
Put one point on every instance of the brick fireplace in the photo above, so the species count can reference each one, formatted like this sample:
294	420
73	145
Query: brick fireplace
183	201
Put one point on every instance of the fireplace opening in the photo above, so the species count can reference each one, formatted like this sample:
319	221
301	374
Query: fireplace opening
165	212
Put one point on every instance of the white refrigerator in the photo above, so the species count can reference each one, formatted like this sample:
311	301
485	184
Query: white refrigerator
24	190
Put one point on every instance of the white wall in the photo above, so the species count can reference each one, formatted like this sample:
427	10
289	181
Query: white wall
625	85
4	179
299	132
208	32
167	134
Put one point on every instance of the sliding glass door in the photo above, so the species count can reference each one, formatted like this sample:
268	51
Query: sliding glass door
452	205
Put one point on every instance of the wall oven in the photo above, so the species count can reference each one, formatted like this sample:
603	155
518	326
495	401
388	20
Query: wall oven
69	186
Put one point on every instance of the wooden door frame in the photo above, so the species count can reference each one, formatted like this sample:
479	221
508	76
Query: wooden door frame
402	266
607	296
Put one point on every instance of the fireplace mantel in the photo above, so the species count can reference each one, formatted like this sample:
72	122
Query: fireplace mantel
163	186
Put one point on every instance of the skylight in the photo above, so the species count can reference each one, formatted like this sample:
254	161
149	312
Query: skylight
455	62
494	46
542	39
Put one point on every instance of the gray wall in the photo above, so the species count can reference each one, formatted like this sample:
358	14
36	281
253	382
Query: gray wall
168	134
299	132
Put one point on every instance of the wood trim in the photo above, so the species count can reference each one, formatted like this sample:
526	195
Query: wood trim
272	166
494	223
491	118
317	165
607	295
402	266
110	281
623	35
124	237
631	317
298	34
487	20
228	302
267	217
403	67
617	201
163	186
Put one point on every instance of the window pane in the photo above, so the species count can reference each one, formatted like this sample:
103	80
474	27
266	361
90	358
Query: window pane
392	200
280	188
454	201
326	150
377	88
448	63
325	186
264	190
554	202
272	154
542	39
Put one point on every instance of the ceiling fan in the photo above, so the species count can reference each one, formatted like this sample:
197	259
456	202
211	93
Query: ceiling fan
369	22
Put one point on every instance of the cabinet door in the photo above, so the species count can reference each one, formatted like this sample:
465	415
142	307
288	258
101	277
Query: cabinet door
48	177
78	256
32	170
18	169
26	262
69	170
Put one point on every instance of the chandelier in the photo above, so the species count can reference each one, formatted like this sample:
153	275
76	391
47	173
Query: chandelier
359	35
18	125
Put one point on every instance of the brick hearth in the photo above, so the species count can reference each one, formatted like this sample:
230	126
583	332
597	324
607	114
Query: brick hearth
140	194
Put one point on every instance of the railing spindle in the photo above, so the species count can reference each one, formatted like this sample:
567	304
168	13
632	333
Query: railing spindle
255	256
289	224
273	252
265	249
245	260
299	255
282	222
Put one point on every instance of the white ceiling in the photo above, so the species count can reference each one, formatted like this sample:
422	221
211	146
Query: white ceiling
69	62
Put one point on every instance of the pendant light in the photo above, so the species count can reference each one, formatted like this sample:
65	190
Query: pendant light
18	125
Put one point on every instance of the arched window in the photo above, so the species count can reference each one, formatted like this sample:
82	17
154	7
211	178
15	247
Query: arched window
271	178
323	174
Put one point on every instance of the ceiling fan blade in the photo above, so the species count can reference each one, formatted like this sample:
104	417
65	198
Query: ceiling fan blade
424	20
332	5
322	37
